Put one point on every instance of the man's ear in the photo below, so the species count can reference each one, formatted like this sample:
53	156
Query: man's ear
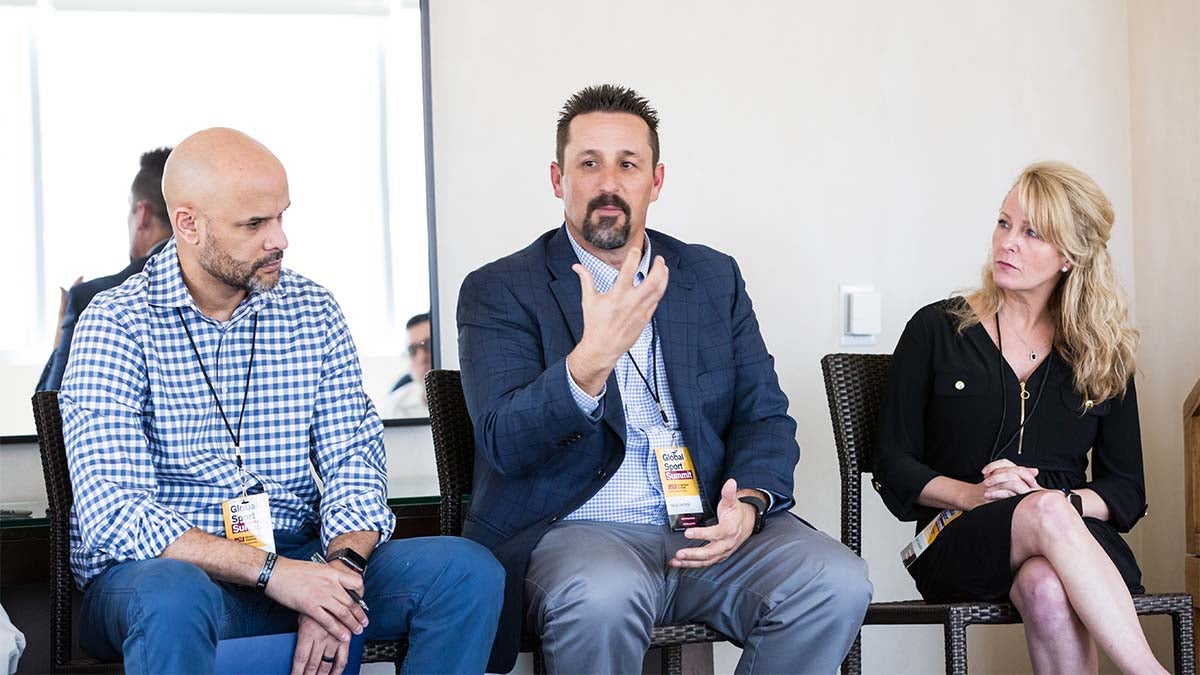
556	179
143	216
183	220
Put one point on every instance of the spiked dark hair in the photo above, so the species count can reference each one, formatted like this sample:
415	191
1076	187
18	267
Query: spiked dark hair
147	184
606	98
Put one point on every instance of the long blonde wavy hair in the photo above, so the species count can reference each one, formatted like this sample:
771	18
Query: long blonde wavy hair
1093	332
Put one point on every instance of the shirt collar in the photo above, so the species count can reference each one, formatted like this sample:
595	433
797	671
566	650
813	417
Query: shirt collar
604	274
166	287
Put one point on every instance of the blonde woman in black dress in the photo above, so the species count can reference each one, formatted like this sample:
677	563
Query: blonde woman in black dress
993	403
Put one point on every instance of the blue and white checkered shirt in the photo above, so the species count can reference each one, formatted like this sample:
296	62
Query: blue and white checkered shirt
149	455
634	493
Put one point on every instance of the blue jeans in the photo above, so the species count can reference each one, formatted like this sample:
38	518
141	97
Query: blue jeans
166	616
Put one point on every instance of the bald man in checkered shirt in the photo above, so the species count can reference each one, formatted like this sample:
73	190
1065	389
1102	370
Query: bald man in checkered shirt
210	378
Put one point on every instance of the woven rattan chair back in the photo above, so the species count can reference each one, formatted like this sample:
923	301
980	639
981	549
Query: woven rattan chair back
58	511
854	386
453	446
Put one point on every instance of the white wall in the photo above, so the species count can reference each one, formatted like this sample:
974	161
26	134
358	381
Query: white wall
818	143
1165	102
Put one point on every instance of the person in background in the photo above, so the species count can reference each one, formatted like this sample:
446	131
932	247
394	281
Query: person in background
149	228
218	436
992	405
407	398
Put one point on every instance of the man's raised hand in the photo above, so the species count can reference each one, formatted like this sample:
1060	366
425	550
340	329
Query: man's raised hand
613	321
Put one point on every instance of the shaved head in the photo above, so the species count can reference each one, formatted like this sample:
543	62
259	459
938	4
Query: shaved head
214	163
226	194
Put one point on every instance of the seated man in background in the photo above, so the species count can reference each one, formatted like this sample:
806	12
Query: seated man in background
196	396
407	398
599	390
149	229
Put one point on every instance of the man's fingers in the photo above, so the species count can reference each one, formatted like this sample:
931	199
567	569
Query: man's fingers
701	556
628	269
586	283
655	284
729	499
351	581
343	654
300	656
330	622
346	618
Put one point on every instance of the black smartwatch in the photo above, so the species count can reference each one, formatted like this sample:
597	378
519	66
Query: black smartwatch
350	558
1075	499
760	507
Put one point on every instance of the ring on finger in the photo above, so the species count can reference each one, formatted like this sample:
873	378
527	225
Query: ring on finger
325	658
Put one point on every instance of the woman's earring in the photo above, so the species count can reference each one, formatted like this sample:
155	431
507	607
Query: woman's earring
1064	269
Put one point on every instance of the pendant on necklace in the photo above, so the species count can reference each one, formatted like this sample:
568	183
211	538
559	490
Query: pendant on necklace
1033	356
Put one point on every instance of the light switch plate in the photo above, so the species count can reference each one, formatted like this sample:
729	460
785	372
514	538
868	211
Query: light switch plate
873	315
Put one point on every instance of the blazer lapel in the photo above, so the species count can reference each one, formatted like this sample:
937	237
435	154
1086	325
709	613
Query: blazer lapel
678	318
564	284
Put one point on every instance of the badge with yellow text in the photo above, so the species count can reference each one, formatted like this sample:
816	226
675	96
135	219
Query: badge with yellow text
248	521
681	488
927	536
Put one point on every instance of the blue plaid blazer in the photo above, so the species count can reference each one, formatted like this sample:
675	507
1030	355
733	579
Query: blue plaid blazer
538	458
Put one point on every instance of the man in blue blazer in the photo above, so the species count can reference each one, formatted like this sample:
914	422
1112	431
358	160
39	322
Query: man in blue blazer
612	373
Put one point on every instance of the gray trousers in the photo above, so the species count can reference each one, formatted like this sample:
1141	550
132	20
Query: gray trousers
793	597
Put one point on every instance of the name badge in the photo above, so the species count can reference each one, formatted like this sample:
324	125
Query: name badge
681	489
248	521
927	535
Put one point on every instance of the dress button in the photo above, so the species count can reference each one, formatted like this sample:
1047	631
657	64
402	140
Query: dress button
960	385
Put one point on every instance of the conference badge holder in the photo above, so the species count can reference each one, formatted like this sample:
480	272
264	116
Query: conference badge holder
248	517
927	535
681	488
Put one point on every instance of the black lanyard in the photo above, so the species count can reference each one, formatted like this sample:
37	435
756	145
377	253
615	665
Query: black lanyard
237	437
653	370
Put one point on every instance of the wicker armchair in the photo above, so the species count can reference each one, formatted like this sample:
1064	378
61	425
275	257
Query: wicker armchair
62	585
454	447
854	386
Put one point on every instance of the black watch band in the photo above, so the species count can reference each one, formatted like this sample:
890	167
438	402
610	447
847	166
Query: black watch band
760	507
265	575
350	558
1075	498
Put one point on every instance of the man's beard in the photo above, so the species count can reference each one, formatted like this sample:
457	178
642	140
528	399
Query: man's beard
233	273
605	233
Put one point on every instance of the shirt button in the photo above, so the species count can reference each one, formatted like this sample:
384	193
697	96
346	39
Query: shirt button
960	385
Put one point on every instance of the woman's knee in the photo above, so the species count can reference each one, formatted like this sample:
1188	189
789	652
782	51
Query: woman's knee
1047	516
1039	595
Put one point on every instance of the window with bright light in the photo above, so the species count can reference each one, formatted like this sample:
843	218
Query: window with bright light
336	96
